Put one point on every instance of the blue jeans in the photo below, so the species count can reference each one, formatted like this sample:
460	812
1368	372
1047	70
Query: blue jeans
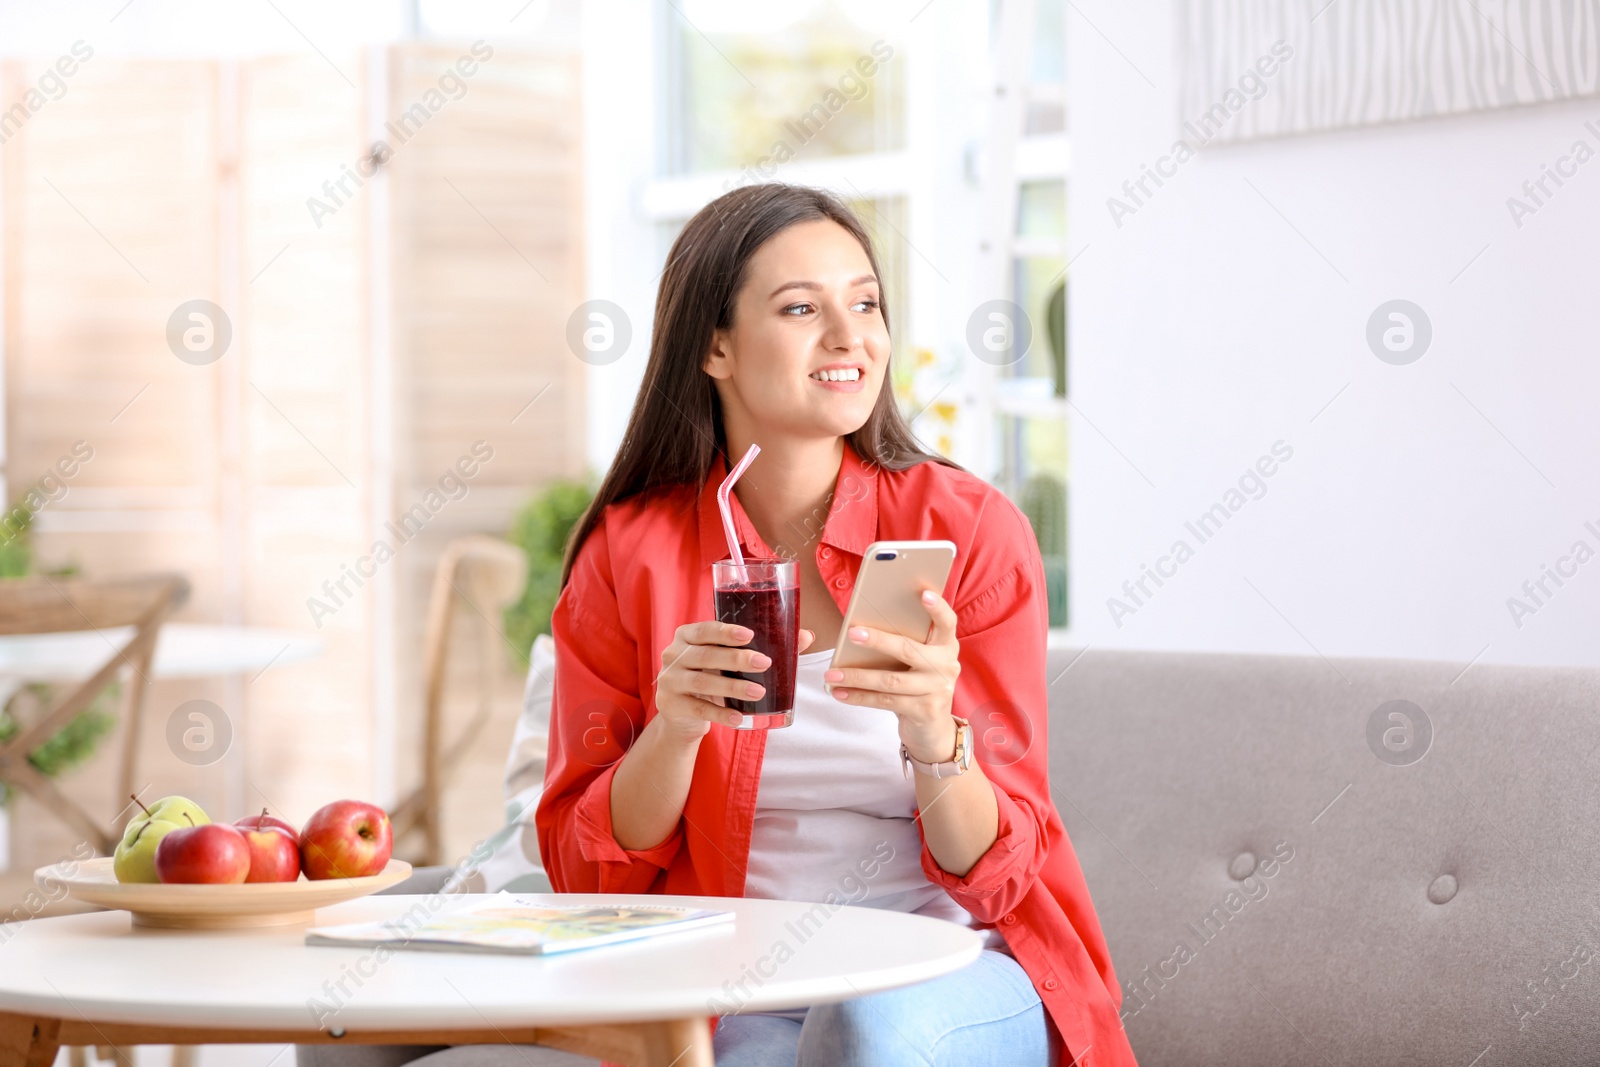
984	1015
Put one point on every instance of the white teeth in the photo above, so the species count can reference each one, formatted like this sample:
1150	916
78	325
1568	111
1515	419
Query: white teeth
850	375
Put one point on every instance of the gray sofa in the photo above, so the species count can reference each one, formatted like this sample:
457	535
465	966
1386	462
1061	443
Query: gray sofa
1356	862
1435	910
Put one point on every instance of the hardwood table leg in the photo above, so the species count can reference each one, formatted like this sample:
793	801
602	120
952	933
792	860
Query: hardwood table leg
677	1043
29	1042
670	1043
26	1041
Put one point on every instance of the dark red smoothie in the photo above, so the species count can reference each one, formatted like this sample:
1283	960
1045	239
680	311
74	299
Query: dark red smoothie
773	616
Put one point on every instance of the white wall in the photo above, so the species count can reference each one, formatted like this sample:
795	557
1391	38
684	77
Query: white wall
1206	328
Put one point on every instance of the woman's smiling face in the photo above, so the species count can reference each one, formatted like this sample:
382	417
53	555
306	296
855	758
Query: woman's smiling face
809	304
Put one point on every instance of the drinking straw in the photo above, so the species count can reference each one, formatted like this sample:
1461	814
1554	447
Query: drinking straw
723	492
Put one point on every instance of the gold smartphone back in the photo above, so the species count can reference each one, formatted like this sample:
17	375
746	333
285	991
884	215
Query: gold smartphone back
888	596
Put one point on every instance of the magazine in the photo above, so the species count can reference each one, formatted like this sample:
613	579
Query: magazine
511	924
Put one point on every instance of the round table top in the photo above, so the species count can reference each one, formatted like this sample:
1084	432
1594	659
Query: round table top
183	650
100	967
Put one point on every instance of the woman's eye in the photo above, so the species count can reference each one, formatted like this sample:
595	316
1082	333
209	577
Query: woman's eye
866	304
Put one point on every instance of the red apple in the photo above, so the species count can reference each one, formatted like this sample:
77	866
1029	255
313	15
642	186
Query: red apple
345	839
274	855
213	853
257	822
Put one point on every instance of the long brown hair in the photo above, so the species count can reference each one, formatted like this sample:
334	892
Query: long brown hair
705	271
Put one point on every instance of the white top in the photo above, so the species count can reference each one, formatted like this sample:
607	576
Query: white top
94	967
834	814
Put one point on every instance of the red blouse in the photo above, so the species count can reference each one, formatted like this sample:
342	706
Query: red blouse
646	569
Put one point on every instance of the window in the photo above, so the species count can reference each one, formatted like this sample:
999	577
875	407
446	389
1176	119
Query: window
743	88
893	115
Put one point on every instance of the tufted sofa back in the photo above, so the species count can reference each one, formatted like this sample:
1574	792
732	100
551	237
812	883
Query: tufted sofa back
1363	862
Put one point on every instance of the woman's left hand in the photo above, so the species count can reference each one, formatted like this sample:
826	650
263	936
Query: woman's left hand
921	696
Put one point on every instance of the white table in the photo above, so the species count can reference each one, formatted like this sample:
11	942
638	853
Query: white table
184	650
94	979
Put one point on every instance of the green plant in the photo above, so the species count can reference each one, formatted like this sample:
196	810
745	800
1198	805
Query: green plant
71	745
16	547
1044	501
541	530
1055	322
16	552
76	741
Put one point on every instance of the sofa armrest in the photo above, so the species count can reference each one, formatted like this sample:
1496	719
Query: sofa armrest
423	881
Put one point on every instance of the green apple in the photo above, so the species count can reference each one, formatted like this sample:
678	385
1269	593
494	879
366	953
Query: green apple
135	859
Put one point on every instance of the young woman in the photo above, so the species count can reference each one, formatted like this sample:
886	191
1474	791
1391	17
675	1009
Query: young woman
649	788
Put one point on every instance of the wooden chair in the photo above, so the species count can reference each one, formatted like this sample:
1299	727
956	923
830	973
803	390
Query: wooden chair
53	605
487	574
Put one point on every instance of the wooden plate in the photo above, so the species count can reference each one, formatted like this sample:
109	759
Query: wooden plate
212	907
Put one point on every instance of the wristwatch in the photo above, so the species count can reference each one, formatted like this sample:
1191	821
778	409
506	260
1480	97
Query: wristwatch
949	769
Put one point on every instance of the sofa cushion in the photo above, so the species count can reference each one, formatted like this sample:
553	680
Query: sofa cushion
1290	867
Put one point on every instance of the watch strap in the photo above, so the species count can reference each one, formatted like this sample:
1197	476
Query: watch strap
951	767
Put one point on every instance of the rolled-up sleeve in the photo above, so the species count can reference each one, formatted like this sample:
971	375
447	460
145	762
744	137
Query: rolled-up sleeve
1003	629
595	716
1003	875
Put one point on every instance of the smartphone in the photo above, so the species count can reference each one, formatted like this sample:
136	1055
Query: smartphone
888	596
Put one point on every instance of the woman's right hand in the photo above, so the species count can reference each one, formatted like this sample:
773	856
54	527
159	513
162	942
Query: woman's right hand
691	676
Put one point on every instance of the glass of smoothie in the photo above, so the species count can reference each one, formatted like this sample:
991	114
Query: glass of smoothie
764	595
